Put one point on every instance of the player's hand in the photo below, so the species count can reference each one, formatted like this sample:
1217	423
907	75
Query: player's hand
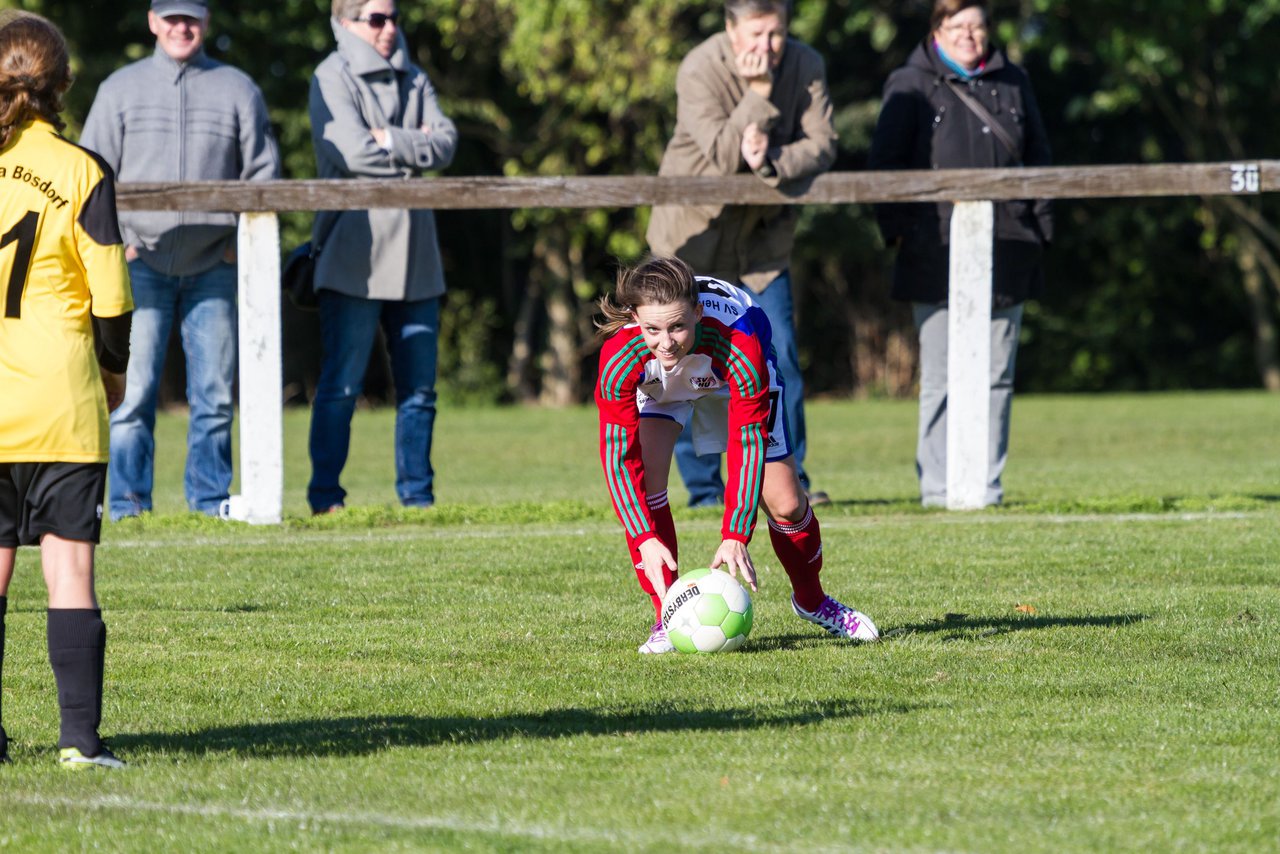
755	69
736	560
755	145
114	385
654	555
379	136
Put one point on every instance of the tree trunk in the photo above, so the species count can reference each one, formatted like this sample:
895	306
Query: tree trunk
520	365
1255	263
881	352
561	371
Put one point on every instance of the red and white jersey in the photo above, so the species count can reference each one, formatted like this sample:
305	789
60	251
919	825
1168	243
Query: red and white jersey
730	348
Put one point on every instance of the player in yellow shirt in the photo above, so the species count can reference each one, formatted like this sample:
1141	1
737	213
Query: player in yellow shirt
65	306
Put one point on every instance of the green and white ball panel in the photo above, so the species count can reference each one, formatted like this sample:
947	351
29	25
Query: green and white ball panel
707	610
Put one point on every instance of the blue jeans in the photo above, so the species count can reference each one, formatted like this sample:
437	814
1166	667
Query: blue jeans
701	474
205	308
348	327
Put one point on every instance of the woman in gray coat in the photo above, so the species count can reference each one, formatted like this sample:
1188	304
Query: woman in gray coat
374	115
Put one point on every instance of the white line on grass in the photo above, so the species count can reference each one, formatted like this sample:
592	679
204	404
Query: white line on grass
451	824
580	529
1070	518
380	535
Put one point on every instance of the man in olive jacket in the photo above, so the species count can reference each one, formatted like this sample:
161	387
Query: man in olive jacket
749	99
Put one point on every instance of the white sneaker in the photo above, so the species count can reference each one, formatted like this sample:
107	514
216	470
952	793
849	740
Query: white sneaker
840	620
658	642
71	757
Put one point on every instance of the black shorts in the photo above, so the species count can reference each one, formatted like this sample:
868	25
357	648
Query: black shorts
64	499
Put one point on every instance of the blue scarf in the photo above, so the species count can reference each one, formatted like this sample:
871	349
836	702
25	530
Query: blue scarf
965	74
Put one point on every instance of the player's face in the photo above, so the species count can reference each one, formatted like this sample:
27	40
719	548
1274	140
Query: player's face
762	34
963	36
668	329
381	13
180	36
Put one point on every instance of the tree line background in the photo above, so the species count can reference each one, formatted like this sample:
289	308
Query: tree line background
1142	294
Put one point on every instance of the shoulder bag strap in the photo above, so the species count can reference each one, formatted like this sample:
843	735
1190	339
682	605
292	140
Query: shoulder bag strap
981	112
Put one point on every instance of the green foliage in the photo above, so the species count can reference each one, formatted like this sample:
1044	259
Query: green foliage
467	376
1141	295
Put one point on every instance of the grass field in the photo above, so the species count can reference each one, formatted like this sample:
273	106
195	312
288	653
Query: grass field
466	677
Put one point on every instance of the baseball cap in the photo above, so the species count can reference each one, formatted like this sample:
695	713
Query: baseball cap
190	8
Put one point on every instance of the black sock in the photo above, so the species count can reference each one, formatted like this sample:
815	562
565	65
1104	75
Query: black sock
77	641
4	739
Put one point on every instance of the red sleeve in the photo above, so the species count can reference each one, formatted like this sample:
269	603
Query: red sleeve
739	353
621	367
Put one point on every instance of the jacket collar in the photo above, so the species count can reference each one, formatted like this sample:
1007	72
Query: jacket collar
360	56
925	58
174	69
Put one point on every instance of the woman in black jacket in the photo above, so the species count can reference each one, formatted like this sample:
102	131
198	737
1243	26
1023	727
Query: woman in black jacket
958	103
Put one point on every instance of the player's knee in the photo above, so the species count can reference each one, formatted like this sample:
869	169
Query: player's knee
789	510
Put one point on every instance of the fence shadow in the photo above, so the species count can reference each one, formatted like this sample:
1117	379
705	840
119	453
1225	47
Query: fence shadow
355	736
964	624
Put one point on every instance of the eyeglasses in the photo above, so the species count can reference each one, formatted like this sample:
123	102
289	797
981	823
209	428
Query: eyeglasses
971	29
378	20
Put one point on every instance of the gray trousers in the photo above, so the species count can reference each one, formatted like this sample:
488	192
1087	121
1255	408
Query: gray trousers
931	446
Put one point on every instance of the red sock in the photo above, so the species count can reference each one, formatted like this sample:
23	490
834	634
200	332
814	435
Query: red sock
799	548
665	527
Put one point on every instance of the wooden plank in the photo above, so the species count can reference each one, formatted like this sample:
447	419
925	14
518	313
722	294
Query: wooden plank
610	191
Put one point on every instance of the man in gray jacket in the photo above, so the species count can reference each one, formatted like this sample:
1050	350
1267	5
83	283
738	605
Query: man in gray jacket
750	99
179	116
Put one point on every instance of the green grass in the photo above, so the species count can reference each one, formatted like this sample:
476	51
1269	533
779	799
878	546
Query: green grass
466	677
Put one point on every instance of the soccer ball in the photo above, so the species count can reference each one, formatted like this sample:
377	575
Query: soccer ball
706	610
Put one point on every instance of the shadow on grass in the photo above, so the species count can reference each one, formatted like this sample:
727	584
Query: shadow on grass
788	642
354	736
964	625
957	625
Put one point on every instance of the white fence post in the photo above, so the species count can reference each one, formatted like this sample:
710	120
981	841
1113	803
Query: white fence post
969	355
261	498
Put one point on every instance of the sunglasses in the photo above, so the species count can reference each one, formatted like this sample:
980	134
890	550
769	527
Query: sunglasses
378	20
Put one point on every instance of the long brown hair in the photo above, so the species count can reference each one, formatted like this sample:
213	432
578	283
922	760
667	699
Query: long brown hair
657	281
35	72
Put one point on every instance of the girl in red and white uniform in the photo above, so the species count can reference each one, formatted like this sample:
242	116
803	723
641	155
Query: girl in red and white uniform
680	351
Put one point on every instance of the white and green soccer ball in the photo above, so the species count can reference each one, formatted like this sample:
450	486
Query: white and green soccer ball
706	610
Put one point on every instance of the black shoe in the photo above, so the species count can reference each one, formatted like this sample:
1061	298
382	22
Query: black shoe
817	498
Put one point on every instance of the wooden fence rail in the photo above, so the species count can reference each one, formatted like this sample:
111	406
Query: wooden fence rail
973	190
958	185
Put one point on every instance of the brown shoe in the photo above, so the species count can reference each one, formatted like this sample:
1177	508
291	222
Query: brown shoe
817	498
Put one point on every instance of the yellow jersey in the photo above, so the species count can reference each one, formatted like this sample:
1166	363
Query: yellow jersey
61	259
